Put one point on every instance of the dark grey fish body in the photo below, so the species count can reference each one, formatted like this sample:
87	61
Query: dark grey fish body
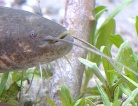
22	40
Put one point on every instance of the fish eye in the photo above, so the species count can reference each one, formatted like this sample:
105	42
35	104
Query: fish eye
32	34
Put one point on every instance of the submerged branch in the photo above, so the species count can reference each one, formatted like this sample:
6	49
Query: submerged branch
78	20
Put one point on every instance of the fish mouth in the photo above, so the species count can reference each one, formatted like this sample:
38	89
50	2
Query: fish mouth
54	48
64	38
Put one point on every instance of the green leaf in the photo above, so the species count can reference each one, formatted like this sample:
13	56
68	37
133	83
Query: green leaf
102	39
136	24
117	40
82	102
77	102
92	91
125	88
131	97
99	37
108	22
105	32
131	81
3	81
116	103
107	66
65	96
98	11
85	101
116	11
116	94
127	57
87	78
10	94
90	102
94	68
118	82
127	91
114	72
16	76
50	102
104	96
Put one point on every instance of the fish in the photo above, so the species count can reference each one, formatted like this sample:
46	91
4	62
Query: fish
4	104
24	40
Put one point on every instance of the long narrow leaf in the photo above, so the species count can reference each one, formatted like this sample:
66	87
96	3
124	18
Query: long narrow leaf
127	57
101	39
136	24
131	81
104	96
98	11
90	102
3	81
117	40
81	102
94	69
116	94
65	96
116	11
107	66
116	103
51	103
131	97
126	90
